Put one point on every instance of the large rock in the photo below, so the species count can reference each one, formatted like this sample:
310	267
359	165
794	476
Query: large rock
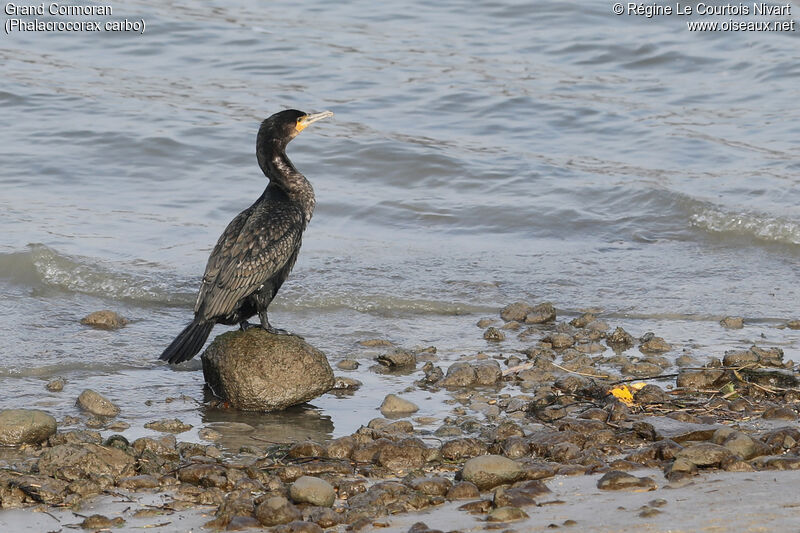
488	471
255	370
96	404
25	426
70	462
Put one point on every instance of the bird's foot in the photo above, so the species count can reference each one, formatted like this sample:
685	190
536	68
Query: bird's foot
244	325
275	331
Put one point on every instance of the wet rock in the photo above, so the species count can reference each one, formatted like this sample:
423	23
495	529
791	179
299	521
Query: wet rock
494	334
521	495
732	322
209	434
540	314
705	454
433	374
258	371
517	312
477	507
406	454
25	426
459	449
168	425
701	379
768	356
313	490
104	320
398	359
651	394
506	514
345	384
394	405
463	490
616	480
488	471
560	341
298	526
654	345
98	521
85	461
56	385
432	486
347	364
488	373
680	468
739	358
204	475
620	339
779	413
459	375
96	404
143	481
583	320
641	369
793	324
277	510
422	527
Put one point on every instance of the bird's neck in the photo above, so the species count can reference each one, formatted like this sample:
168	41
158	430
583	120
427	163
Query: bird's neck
281	173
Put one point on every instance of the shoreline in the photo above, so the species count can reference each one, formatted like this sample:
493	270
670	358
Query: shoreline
543	409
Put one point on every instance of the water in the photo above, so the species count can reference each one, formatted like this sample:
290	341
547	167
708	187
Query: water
480	154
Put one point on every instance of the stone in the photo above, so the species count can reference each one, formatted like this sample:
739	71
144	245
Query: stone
540	314
56	384
394	405
560	341
732	322
433	486
506	514
104	320
464	448
277	510
793	324
144	481
620	339
459	375
488	471
488	373
779	413
97	404
494	334
168	425
313	490
71	462
515	312
255	370
700	379
705	454
655	345
347	364
463	490
740	358
617	480
25	426
398	359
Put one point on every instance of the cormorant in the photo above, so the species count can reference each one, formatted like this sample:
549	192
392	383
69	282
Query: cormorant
258	249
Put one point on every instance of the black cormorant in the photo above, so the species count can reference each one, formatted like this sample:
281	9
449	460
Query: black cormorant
258	249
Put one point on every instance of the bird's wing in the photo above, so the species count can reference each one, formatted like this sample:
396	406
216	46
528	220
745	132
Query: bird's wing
250	251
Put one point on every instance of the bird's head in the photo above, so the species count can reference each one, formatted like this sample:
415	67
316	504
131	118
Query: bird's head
285	125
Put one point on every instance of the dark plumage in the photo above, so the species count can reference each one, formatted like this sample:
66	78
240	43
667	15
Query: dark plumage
258	249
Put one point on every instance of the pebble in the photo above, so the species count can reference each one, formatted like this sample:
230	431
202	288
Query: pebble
517	312
732	322
209	434
277	510
395	405
463	490
488	471
506	514
655	345
25	426
104	320
617	480
98	521
398	359
705	454
313	490
56	385
459	375
493	334
779	413
540	314
97	404
793	324
168	425
347	364
620	339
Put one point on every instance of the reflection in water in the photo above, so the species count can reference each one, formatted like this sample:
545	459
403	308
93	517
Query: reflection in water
246	428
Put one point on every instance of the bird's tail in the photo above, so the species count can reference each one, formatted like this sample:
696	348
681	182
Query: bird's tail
188	342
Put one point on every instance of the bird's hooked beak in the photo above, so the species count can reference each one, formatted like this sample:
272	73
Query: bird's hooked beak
303	122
